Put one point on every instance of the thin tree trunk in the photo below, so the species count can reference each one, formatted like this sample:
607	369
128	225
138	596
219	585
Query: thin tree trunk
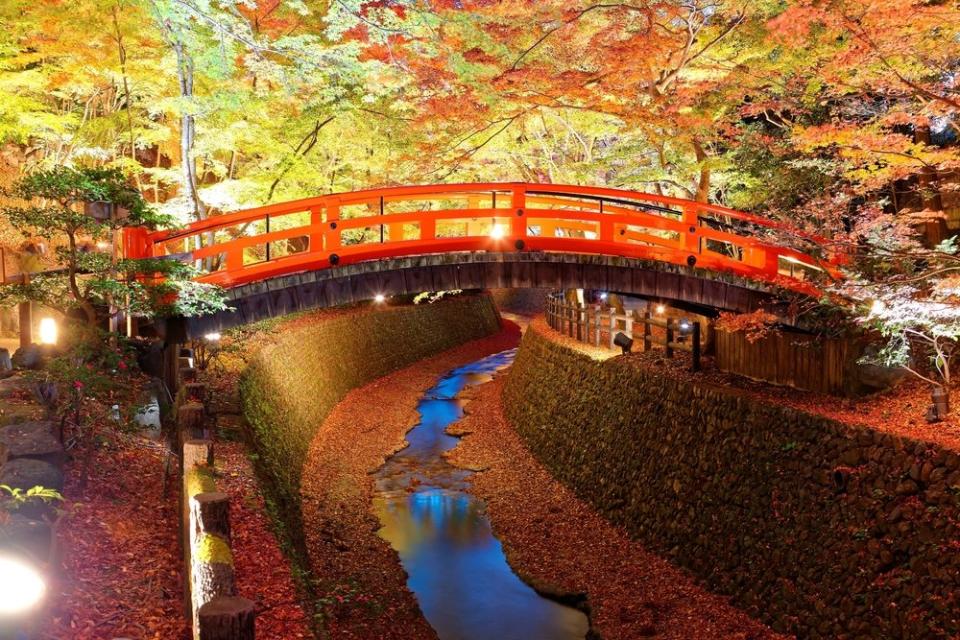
703	184
187	130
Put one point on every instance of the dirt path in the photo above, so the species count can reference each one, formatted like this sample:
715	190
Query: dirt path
559	544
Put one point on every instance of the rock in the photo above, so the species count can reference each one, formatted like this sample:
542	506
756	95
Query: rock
28	357
25	535
16	386
17	413
30	440
6	364
26	473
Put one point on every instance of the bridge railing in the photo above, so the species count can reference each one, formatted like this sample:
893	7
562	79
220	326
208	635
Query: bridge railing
320	232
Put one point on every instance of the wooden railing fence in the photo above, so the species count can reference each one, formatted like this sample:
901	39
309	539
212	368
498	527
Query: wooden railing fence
591	324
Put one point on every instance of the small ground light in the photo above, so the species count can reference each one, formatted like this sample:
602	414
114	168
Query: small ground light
379	298
48	331
603	296
660	309
21	586
877	307
212	337
497	232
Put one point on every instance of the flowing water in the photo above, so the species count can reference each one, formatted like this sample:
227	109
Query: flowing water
456	567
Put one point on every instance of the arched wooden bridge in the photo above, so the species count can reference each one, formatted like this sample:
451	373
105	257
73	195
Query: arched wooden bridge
286	247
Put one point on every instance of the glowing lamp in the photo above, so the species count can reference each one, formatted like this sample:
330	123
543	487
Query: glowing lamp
21	586
497	232
660	309
212	337
48	331
379	298
603	296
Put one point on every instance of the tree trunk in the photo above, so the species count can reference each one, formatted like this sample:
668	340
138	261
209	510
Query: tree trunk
187	130
703	184
928	180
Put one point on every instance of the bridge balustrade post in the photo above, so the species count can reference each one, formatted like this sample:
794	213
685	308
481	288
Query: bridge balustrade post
691	237
518	223
695	337
647	343
331	233
669	349
596	325
316	230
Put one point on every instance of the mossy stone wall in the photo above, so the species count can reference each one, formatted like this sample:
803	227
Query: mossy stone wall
821	529
290	386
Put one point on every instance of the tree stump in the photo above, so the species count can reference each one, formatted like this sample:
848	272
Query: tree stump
227	618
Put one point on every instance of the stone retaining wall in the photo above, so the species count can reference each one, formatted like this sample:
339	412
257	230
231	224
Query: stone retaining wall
820	529
291	385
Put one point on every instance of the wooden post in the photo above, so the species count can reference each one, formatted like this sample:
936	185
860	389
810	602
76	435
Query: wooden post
26	323
190	422
647	343
596	325
211	561
669	337
695	336
195	392
227	618
578	314
613	327
628	326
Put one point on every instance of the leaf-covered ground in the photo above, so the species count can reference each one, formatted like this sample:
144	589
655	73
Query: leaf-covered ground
121	572
899	411
361	584
121	563
560	544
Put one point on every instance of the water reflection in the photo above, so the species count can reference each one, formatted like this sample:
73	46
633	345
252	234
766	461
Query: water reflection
457	568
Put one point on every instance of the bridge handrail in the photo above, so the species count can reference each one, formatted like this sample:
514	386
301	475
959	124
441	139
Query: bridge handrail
598	220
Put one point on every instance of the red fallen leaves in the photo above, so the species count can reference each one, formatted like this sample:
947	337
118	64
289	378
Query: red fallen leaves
263	573
119	540
560	544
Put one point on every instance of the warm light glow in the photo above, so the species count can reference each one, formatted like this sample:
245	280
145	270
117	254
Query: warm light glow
497	232
48	331
212	337
379	298
660	309
21	586
877	307
603	296
103	245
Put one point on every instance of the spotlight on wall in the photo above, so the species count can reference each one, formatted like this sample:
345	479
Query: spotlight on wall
625	343
379	298
21	586
660	309
48	331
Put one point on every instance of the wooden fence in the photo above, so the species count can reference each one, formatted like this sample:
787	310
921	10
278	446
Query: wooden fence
593	325
791	359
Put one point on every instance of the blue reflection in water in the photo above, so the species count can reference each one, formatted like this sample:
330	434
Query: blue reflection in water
457	567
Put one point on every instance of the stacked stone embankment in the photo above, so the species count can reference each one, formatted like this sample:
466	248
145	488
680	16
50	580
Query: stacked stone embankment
822	529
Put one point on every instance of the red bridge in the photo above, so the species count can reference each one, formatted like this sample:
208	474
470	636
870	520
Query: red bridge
453	222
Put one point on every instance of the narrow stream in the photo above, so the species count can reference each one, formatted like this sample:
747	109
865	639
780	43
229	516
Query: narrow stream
457	568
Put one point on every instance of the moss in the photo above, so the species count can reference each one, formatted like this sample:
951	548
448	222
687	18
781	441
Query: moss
753	497
200	479
212	549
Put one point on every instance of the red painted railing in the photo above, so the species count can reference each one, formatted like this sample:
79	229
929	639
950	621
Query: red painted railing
347	228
